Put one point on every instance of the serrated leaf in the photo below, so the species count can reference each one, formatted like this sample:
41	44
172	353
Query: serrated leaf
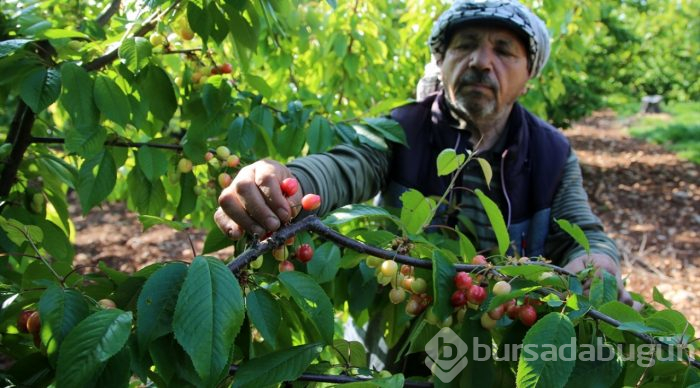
479	371
8	47
135	53
188	197
312	300
259	84
241	30
576	233
153	162
352	351
87	142
320	136
596	373
466	249
41	88
208	316
325	263
265	314
89	345
60	310
274	368
149	221
370	138
146	195
351	213
18	233
96	180
486	169
443	284
637	327
416	211
117	371
546	365
448	161
157	91
497	222
77	96
603	290
111	100
659	298
620	312
390	129
530	271
673	322
215	240
156	303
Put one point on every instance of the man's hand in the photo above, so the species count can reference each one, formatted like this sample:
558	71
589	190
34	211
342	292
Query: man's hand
600	261
254	201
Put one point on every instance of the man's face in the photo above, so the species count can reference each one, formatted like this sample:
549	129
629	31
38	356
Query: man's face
484	71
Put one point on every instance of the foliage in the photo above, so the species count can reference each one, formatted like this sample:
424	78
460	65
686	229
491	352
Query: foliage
133	102
679	131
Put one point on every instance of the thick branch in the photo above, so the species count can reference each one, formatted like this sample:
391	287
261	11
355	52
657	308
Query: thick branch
314	224
110	143
340	379
19	136
113	8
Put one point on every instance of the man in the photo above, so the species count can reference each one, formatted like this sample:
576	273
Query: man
486	51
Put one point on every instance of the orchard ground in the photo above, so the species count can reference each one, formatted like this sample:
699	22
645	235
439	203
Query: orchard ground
648	199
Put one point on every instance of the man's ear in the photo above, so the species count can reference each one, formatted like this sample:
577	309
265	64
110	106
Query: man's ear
526	88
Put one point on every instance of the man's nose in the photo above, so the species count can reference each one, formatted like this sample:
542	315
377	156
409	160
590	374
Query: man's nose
481	58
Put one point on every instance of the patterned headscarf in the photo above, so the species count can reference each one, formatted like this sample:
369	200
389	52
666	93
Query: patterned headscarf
506	12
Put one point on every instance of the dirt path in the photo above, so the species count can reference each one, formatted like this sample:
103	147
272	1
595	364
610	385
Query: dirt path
648	199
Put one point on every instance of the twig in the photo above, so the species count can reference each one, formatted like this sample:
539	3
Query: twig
339	379
113	8
111	143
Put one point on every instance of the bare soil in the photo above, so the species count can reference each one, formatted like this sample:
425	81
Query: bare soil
647	198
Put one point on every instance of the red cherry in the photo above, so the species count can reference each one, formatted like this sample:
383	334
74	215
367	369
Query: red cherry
463	281
512	309
226	68
459	298
286	266
214	70
406	270
476	295
289	186
498	312
479	260
527	315
305	253
311	202
22	320
34	323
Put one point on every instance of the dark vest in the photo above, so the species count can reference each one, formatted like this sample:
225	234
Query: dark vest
532	165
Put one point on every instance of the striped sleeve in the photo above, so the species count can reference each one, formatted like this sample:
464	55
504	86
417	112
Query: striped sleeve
571	204
345	174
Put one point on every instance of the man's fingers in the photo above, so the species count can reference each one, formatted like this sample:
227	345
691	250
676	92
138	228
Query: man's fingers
227	226
269	186
233	208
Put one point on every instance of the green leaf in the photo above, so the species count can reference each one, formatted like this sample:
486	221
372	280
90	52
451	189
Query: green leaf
146	195
111	100
153	162
500	299
157	91
486	168
274	368
390	129
479	372
215	240
352	351
351	213
370	138
117	371
529	271
325	263
637	327
60	33
156	303
60	310
603	290
576	233
673	322
241	30
135	53
448	161
259	84
149	221
443	284
311	299
77	96
416	211
208	316
41	88
96	180
8	47
546	364
89	345
596	373
496	220
466	249
188	197
18	233
265	314
659	298
620	312
332	3
320	136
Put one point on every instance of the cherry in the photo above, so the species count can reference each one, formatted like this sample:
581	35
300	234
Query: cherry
406	269
209	155
107	303
156	39
397	295
463	281
184	165
479	260
389	268
498	312
289	186
413	307
280	253
186	33
512	309
476	295
311	202
34	323
305	253
22	320
257	263
487	322
418	285
226	68
222	152
286	266
406	283
527	315
224	180
458	298
214	70
501	288
232	161
373	262
290	241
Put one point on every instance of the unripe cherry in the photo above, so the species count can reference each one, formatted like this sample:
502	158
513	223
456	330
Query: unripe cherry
224	180
463	281
487	322
232	161
208	156
501	288
397	295
304	253
184	165
286	266
311	202
107	303
373	262
257	263
419	285
222	152
389	268
479	260
406	283
406	269
280	253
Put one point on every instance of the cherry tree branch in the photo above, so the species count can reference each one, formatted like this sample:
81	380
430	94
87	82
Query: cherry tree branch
340	379
314	224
